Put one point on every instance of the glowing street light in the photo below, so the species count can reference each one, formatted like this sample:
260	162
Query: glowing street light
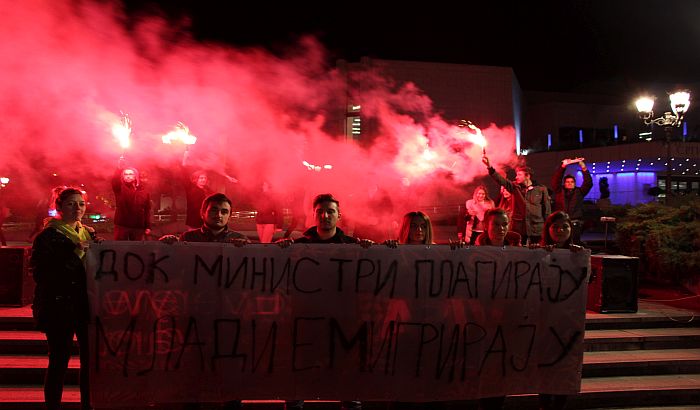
680	101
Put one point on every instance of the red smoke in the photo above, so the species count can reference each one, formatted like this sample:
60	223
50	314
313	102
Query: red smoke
69	68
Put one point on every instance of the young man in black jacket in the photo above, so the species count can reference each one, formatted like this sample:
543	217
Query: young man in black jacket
568	197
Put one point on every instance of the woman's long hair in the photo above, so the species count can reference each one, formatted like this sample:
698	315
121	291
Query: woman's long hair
406	227
551	219
486	193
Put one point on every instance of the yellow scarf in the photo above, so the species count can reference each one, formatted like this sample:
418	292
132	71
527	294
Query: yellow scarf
77	235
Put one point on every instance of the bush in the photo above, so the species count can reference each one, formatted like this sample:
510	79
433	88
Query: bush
665	238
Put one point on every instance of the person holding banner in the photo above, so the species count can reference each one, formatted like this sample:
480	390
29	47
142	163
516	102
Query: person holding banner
416	229
497	234
215	211
556	234
326	214
60	307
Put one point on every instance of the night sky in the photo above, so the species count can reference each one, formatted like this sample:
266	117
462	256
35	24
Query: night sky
565	46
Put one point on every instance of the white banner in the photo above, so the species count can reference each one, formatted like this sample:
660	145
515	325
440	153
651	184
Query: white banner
207	322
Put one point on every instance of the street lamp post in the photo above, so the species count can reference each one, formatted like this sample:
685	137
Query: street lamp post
680	101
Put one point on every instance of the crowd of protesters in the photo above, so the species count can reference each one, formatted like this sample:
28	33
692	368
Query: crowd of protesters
523	216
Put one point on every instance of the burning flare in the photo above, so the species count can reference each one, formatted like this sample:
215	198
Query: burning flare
180	133
317	168
122	131
475	137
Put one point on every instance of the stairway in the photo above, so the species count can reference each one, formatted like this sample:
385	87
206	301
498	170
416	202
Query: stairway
644	360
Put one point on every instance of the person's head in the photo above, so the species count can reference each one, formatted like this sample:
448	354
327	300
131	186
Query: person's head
200	179
215	211
569	181
70	204
326	212
130	176
416	229
505	193
496	224
481	194
523	175
557	230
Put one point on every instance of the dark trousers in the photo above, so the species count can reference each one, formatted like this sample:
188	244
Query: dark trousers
60	339
576	231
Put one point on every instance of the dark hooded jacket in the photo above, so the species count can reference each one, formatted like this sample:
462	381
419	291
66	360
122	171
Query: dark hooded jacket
133	203
570	200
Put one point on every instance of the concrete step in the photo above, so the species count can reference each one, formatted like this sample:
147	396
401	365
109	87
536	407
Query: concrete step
28	370
640	362
640	339
649	315
627	391
16	318
25	342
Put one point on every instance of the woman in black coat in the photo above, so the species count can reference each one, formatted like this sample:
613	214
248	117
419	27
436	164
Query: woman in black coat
60	299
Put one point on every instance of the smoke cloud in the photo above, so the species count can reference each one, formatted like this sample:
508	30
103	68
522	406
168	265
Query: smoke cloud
70	67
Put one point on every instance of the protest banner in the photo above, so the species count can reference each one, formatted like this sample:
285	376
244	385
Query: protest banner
209	322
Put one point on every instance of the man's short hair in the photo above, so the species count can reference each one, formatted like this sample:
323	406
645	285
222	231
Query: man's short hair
569	176
491	213
320	198
525	169
217	197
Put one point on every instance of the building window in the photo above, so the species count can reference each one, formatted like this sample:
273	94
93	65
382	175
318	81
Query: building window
353	122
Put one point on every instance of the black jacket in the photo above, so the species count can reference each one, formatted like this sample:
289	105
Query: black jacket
205	234
530	203
570	200
133	204
311	236
60	295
